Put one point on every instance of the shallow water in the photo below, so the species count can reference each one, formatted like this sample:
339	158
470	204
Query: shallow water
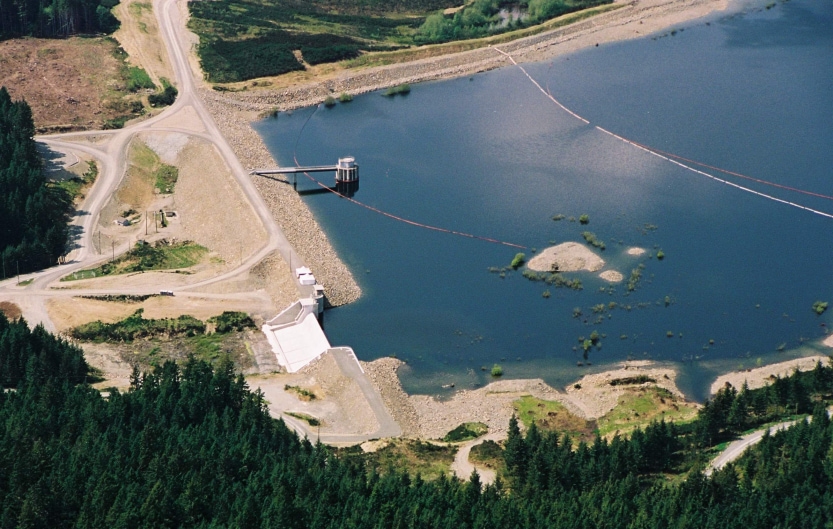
490	155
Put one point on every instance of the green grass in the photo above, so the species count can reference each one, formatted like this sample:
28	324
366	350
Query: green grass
639	407
146	257
138	79
26	282
466	432
553	416
166	177
74	187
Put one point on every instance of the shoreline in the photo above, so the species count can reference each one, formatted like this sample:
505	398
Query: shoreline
234	111
634	19
590	397
423	416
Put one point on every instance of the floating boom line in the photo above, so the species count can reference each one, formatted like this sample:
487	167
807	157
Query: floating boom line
675	159
391	215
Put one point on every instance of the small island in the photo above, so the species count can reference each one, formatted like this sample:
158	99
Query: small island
566	257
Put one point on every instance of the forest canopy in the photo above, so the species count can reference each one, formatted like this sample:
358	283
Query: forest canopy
190	446
33	214
56	18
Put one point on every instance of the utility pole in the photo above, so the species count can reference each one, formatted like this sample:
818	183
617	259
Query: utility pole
18	272
146	222
113	242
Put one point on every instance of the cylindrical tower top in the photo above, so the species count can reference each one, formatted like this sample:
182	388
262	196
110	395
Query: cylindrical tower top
348	162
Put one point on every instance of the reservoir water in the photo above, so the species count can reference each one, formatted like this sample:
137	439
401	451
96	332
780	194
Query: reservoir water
749	91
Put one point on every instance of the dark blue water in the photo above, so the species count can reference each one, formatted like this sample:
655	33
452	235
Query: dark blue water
751	92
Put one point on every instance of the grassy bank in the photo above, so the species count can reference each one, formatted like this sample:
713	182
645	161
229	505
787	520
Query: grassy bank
241	39
144	257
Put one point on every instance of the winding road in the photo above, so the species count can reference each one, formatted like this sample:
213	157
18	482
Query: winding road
110	150
31	291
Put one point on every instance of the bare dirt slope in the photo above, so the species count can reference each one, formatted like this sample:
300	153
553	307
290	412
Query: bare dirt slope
70	84
139	36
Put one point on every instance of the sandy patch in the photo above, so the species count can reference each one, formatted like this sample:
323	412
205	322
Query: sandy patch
140	38
761	376
566	257
612	276
185	118
635	251
68	312
232	230
339	402
828	341
166	145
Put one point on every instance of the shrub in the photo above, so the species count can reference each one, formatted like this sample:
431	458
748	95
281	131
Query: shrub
166	177
330	102
627	381
660	255
819	307
466	432
497	371
166	97
398	90
591	239
584	219
517	261
230	321
345	97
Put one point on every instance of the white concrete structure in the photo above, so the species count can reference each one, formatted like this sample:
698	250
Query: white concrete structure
295	335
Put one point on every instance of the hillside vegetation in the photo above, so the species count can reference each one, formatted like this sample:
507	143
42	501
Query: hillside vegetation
190	446
33	214
244	39
56	18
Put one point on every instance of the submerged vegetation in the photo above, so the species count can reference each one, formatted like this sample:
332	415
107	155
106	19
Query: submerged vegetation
402	89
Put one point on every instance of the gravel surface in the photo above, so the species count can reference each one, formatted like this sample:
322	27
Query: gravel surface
293	216
761	376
